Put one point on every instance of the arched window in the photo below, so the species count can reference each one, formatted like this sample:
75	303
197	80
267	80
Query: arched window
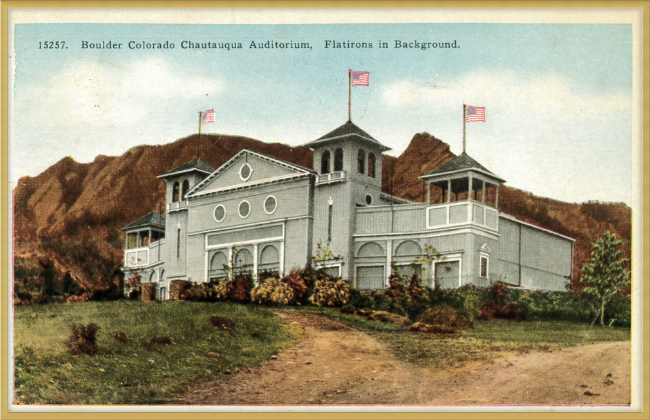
243	261
218	265
338	160
325	163
371	249
371	165
185	189
407	249
361	161
218	261
176	192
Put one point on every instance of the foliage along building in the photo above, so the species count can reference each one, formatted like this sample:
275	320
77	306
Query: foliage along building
257	213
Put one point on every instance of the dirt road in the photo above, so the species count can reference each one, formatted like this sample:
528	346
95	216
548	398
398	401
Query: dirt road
336	365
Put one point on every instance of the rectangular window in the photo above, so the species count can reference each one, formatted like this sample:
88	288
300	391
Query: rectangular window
484	267
329	224
178	243
131	240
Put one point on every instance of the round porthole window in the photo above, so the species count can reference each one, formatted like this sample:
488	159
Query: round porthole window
244	209
219	213
270	204
245	172
368	199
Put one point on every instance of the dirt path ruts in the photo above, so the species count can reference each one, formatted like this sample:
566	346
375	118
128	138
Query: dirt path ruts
337	365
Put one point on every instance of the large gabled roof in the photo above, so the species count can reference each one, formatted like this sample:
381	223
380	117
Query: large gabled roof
349	130
153	219
463	162
292	166
196	165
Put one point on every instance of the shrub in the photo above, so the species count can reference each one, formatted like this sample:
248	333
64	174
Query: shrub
222	322
302	281
262	276
161	340
348	309
134	293
83	339
121	337
330	293
377	300
273	292
509	310
408	296
241	288
222	290
501	303
196	292
444	319
76	299
299	284
132	284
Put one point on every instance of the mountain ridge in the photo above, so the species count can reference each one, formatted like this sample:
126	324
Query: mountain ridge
73	210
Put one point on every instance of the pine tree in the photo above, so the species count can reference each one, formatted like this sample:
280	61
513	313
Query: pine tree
605	274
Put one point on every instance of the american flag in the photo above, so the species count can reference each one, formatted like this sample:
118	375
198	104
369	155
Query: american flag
207	116
475	113
360	78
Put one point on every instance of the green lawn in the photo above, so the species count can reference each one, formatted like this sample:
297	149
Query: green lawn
482	343
136	372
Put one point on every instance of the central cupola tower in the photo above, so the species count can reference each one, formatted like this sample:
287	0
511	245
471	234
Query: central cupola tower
348	163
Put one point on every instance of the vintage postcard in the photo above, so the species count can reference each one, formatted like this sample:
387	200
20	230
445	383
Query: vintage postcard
324	210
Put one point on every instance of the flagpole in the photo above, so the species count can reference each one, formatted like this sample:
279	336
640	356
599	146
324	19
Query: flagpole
349	95
198	143
464	122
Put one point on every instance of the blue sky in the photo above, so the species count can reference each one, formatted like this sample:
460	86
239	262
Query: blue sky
558	97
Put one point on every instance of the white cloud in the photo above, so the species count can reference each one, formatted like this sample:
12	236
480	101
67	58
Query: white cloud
100	92
548	95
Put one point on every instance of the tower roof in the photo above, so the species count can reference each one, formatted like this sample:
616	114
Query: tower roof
153	219
196	165
347	131
463	162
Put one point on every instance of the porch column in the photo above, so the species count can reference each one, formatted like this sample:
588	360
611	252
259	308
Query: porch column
469	188
282	259
207	253
389	261
255	247
483	194
496	199
449	190
428	192
231	263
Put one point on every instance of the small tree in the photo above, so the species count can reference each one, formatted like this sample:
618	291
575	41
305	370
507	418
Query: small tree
605	274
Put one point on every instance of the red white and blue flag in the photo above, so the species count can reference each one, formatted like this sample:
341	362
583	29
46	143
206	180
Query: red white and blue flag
207	117
360	78
475	113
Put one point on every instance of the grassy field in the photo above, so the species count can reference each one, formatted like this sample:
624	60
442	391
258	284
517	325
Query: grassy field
482	343
136	372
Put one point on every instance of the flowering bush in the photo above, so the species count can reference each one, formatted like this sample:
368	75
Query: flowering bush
222	290
241	288
302	282
501	304
76	299
330	293
407	295
196	292
273	292
132	286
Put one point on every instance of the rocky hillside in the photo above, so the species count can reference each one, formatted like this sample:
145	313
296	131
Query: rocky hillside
70	215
